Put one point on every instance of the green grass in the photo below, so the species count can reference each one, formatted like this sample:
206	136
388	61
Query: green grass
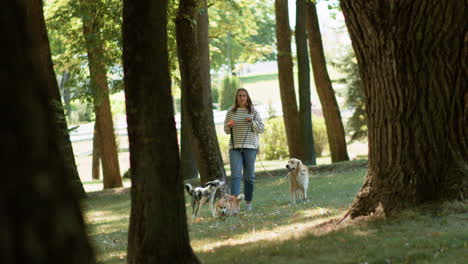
259	78
277	232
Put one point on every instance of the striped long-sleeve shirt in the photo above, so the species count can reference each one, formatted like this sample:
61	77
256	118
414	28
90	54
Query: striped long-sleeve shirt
245	134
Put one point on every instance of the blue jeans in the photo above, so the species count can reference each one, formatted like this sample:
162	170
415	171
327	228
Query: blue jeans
243	159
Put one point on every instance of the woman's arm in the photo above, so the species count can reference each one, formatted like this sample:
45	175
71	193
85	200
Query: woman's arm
257	123
227	128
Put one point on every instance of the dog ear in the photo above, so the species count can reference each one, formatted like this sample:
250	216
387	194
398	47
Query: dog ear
188	188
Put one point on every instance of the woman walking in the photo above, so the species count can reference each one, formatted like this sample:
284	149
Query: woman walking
244	124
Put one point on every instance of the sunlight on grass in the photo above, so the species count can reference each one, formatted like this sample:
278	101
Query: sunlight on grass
254	235
276	232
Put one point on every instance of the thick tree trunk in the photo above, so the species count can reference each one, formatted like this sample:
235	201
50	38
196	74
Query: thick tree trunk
331	110
286	79
187	156
412	57
197	95
189	164
158	224
98	74
41	218
64	139
96	163
64	142
305	111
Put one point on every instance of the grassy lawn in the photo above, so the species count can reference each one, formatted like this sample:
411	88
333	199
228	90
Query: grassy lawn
277	232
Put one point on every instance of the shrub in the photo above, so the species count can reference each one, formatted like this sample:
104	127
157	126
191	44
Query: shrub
215	94
273	142
320	136
228	92
223	140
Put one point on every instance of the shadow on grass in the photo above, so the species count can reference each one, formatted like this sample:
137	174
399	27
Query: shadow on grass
412	237
329	195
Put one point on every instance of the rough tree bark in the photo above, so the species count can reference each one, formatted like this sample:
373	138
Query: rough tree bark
189	164
286	79
96	163
197	95
98	73
305	111
412	57
41	218
64	141
158	224
331	110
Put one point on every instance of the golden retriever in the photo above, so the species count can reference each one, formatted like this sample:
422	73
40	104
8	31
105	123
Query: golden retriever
229	205
298	174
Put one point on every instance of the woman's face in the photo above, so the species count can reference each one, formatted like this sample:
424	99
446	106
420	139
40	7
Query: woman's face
242	98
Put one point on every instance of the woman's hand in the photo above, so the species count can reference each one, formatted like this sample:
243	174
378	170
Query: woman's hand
231	123
248	119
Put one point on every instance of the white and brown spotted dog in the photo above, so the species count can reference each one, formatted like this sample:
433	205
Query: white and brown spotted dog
228	205
201	195
298	174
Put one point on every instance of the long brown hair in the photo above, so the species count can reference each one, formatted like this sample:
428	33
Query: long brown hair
249	101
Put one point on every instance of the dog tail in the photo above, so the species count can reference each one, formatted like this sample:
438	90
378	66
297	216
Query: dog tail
189	188
241	197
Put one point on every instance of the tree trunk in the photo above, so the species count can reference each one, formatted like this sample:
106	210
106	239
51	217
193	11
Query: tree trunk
305	111
65	89
187	156
96	164
158	224
331	110
64	142
41	218
412	60
286	79
97	70
189	164
197	95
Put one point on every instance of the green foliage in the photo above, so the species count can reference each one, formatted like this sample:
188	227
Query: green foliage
241	31
320	135
274	144
274	141
215	94
65	29
81	112
354	98
228	92
223	140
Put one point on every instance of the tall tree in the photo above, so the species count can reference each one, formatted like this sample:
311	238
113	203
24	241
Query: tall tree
158	224
286	78
412	57
92	26
331	110
189	165
63	139
197	94
96	160
41	218
305	111
188	161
